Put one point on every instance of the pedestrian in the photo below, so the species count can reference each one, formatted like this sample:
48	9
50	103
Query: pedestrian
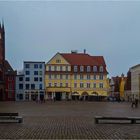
54	99
136	102
41	98
133	103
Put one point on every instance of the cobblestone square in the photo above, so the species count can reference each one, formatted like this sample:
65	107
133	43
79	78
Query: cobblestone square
68	120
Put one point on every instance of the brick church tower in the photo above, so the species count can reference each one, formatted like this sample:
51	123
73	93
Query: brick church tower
2	59
2	44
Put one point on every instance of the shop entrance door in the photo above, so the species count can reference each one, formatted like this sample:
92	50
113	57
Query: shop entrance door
58	96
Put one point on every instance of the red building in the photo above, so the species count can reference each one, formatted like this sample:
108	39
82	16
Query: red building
10	77
7	74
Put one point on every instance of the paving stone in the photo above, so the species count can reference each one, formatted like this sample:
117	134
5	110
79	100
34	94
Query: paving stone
68	120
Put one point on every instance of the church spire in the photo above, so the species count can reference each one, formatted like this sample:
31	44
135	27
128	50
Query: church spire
2	24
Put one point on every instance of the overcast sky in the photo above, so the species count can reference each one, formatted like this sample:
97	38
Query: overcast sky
36	31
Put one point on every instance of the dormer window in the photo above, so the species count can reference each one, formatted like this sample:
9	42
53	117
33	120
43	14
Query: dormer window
94	68
75	68
101	69
81	68
88	68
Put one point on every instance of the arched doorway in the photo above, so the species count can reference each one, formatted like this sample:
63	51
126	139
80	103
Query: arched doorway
94	96
75	96
84	96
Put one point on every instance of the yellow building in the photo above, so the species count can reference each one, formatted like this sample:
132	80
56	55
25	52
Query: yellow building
76	76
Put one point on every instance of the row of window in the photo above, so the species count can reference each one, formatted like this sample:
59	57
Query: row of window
35	72
59	68
29	86
36	79
81	77
36	66
88	68
81	85
28	79
57	76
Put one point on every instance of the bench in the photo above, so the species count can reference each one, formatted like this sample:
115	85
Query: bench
10	117
131	120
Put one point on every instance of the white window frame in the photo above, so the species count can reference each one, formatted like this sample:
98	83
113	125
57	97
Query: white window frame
94	68
50	76
94	77
88	85
75	85
81	68
67	69
50	68
101	69
94	85
101	85
81	77
55	68
50	84
61	68
75	76
81	85
101	77
88	69
61	84
55	84
88	76
75	68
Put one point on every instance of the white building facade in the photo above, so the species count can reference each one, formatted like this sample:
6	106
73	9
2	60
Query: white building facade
19	86
135	81
33	81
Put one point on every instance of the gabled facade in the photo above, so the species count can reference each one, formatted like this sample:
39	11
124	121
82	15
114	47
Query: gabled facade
76	76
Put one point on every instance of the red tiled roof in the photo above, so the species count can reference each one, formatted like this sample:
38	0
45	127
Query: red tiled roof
99	60
83	59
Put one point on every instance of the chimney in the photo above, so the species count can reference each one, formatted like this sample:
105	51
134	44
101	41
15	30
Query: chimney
84	51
